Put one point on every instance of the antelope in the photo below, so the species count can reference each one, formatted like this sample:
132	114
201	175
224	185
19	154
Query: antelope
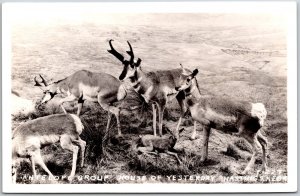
156	87
21	106
240	118
29	137
148	144
85	85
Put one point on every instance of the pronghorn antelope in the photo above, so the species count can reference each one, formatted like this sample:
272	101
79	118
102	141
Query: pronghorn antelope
28	138
240	118
21	106
157	87
85	85
150	144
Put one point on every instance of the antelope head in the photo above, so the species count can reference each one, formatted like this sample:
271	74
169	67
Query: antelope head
186	79
174	134
129	66
49	90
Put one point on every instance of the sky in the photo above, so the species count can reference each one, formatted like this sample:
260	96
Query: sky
56	13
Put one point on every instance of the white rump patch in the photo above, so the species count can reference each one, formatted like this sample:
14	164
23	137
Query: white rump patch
21	106
48	139
258	110
78	123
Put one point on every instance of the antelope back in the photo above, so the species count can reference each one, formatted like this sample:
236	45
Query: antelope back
57	124
83	81
90	79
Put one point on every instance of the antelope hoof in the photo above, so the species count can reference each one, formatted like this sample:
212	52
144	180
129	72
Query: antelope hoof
51	177
70	178
236	134
120	135
265	169
202	160
245	172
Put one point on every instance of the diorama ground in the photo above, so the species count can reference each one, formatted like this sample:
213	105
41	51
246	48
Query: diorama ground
235	62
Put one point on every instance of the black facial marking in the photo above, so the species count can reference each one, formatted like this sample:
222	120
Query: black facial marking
141	91
81	100
189	102
52	94
135	74
124	72
136	85
132	79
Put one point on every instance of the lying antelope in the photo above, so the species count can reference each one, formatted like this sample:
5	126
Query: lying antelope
157	87
21	106
28	138
148	144
241	118
85	85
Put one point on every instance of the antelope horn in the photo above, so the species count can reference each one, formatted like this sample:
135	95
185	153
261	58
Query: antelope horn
43	80
114	52
130	54
36	82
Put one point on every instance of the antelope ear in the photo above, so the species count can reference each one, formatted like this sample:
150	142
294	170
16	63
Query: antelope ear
195	72
168	130
182	68
36	84
184	72
138	62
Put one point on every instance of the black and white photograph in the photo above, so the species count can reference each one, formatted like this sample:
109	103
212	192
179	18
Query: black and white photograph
158	97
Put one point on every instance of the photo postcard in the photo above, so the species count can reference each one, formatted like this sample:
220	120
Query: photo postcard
149	97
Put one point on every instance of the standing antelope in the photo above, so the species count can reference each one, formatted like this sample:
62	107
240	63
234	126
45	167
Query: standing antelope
28	138
241	118
157	87
85	85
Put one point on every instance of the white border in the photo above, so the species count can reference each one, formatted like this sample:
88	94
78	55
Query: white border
158	7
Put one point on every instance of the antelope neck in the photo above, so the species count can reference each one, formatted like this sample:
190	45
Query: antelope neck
140	82
62	85
192	96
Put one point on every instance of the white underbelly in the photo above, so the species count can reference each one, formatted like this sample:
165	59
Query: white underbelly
49	139
90	98
210	116
89	93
